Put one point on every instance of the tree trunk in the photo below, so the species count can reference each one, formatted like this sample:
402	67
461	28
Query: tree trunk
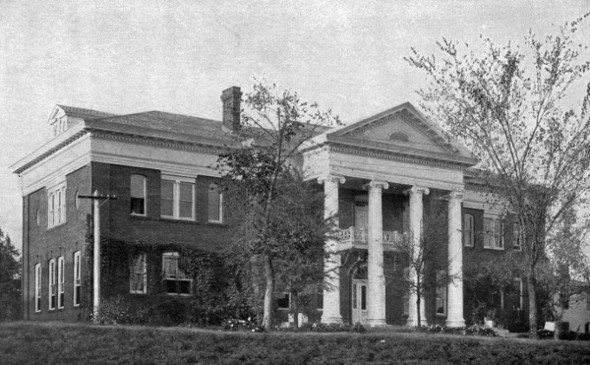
270	286
532	290
418	300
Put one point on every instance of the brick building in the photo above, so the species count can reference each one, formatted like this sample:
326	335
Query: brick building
378	175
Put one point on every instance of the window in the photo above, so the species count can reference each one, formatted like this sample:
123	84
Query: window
284	301
56	205
468	230
60	282
588	301
320	301
493	233
52	291
38	288
517	237
519	291
176	282
77	279
215	201
138	194
177	198
399	136
138	275
441	293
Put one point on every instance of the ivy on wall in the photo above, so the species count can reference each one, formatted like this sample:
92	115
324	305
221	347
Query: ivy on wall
217	289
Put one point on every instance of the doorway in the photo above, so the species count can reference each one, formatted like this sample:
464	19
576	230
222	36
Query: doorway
359	295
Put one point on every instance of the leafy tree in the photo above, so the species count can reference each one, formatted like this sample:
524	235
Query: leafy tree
513	107
10	294
263	182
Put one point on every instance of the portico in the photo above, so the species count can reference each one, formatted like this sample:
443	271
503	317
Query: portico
395	158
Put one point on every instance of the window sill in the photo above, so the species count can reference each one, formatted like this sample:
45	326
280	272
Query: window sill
179	295
178	220
56	226
494	248
214	223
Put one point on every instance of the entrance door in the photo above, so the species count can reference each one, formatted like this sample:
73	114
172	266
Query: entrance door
359	301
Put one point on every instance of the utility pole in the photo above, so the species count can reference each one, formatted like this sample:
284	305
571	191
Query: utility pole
96	198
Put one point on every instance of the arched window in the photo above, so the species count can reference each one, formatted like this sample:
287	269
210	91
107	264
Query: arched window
399	137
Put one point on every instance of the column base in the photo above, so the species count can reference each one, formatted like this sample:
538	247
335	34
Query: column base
455	323
414	322
376	322
328	319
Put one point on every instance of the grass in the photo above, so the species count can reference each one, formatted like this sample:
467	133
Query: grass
61	343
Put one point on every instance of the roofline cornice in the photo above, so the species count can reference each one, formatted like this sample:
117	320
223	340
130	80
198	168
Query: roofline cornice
396	156
192	144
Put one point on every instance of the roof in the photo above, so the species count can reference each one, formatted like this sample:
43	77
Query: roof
82	112
355	135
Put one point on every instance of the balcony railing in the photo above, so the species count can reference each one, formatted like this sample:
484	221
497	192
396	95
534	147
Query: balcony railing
358	237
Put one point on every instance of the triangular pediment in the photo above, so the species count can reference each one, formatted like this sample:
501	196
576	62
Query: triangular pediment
403	128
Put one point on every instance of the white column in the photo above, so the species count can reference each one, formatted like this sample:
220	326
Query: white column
332	262
455	284
416	215
376	276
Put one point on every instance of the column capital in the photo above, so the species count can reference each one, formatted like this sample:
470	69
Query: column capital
417	190
333	178
380	184
456	194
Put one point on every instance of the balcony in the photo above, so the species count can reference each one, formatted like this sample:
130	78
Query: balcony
358	238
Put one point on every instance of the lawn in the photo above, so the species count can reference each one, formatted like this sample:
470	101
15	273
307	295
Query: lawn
59	343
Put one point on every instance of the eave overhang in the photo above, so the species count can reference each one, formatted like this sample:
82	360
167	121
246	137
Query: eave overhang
133	134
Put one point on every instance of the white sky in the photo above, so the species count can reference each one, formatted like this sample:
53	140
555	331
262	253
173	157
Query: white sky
177	56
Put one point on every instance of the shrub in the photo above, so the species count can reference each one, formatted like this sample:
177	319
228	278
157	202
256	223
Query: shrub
116	310
233	324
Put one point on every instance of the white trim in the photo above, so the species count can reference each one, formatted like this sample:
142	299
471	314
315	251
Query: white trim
38	284
143	258
60	282
220	220
77	278
144	197
51	289
520	293
176	183
179	275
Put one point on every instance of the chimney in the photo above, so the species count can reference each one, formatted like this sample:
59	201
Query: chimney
231	99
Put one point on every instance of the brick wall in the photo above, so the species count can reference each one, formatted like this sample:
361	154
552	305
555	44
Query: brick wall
41	244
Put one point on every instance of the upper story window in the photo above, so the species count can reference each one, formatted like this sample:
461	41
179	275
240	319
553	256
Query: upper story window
38	288
56	205
77	279
175	280
177	198
468	230
215	203
138	271
516	236
138	194
493	233
52	292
